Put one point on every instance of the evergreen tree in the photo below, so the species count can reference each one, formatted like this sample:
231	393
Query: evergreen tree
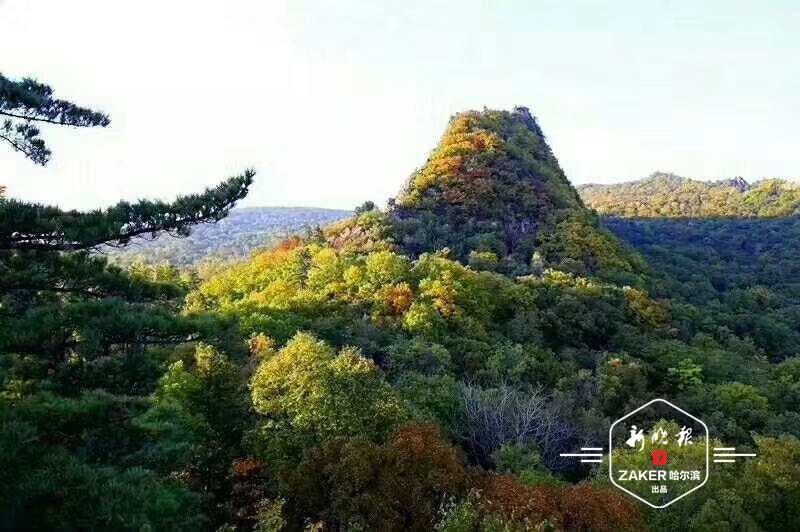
26	226
48	272
79	343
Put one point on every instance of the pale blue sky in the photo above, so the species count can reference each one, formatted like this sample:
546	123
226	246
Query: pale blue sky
337	102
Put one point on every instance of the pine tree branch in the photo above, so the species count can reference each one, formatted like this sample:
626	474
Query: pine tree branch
26	226
25	102
60	122
16	146
24	137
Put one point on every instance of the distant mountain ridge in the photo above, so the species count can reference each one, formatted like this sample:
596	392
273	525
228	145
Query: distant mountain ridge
667	195
235	237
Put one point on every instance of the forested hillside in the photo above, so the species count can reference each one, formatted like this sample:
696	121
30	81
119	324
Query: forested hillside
744	273
672	196
453	327
233	238
414	368
739	263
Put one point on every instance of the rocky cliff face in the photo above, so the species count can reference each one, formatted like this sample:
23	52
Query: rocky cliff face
737	183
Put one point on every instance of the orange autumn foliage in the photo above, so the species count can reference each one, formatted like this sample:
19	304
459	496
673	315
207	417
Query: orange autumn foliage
579	507
586	508
400	297
288	244
351	483
504	495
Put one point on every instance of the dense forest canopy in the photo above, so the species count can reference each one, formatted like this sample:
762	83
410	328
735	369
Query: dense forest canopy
744	272
414	368
671	196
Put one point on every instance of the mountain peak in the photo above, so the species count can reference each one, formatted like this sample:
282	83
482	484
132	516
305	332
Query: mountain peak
489	148
491	174
491	186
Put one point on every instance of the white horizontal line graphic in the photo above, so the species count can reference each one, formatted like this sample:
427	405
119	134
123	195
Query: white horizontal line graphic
594	461
724	448
719	455
581	454
717	461
591	448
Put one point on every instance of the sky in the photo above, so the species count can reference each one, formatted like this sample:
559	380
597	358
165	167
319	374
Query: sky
337	102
